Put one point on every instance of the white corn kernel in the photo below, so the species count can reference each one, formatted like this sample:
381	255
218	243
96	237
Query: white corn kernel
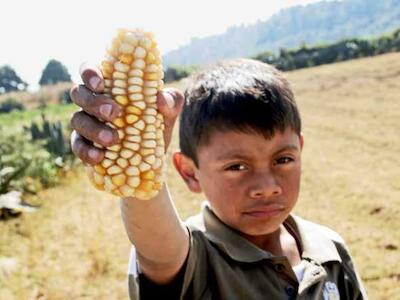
139	104
139	64
134	138
135	81
127	191
111	155
134	89
126	48
131	146
150	128
121	67
134	181
132	171
149	143
146	43
151	68
149	119
126	153
120	83
106	163
146	151
149	136
140	52
135	73
139	125
122	162
132	131
114	170
151	83
150	111
135	160
150	159
119	75
114	148
149	91
151	99
118	91
136	97
144	167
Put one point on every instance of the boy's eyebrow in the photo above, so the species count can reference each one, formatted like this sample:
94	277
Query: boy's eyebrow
236	154
287	148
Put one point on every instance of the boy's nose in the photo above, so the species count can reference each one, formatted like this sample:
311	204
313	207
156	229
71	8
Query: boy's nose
265	186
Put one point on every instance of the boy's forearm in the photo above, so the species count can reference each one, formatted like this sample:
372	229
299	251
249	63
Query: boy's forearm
155	229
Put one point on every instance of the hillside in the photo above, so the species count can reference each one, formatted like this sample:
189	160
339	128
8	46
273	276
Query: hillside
75	246
321	22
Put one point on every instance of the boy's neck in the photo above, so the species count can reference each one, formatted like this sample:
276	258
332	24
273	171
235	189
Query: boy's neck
279	243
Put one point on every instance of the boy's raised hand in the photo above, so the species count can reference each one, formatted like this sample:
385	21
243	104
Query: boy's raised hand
95	105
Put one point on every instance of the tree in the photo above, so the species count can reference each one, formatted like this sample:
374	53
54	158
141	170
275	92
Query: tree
10	81
54	72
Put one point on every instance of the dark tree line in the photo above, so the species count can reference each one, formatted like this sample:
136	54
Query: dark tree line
304	56
53	73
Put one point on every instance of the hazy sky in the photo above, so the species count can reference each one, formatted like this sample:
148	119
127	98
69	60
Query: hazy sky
33	32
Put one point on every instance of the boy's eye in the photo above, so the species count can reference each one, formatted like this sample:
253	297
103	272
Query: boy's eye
284	160
236	167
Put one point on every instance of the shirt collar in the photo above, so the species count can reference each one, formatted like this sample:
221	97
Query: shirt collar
316	245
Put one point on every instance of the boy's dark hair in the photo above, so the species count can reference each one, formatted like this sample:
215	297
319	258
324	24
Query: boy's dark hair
240	94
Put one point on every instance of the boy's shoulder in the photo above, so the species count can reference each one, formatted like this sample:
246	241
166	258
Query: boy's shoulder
304	227
319	243
316	228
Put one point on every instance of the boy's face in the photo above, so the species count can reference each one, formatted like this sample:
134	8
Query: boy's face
252	183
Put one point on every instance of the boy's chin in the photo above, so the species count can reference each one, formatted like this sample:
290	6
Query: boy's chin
260	229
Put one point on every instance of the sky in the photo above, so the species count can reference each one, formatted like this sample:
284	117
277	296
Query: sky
77	31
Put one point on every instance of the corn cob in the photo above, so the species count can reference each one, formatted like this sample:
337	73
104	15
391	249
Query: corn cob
133	75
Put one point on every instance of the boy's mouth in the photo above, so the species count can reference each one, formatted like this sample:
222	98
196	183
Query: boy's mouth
270	210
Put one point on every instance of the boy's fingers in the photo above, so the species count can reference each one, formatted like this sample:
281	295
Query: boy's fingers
98	105
84	150
170	102
94	130
92	78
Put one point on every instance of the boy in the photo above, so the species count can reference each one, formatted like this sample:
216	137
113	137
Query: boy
240	144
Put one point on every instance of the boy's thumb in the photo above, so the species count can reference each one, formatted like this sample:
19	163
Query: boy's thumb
171	102
169	99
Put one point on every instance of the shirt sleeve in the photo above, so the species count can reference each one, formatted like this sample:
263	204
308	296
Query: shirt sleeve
141	287
352	285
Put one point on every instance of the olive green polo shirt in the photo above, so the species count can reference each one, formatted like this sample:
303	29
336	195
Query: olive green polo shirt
221	264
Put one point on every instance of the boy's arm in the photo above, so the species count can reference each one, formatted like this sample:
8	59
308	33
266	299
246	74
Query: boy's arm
160	239
153	226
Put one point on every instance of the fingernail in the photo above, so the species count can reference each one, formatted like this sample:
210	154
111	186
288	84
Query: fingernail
169	99
94	82
105	110
105	136
93	153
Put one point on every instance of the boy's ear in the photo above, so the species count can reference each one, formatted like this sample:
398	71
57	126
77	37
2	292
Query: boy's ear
301	140
186	168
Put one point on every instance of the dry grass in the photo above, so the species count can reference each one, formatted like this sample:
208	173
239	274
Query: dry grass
75	247
49	94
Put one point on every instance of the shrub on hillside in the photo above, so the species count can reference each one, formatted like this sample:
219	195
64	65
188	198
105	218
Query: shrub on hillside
64	97
34	159
10	104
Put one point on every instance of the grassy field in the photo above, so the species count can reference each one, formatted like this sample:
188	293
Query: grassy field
75	246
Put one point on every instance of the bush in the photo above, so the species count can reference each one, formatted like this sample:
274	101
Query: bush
34	159
174	73
64	97
10	104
